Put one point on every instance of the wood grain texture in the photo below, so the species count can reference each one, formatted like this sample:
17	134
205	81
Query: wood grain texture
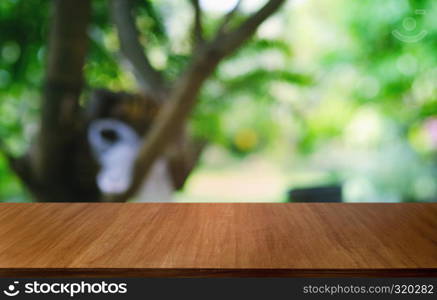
218	240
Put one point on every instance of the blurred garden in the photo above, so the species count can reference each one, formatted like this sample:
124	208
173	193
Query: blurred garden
326	93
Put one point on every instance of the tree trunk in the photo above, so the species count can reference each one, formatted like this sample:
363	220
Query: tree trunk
61	143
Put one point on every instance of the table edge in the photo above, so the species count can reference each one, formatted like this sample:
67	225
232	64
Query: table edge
211	273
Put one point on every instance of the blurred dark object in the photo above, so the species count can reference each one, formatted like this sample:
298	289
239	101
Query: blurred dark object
331	193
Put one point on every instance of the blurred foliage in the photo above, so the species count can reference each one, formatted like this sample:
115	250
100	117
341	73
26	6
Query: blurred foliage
374	98
323	85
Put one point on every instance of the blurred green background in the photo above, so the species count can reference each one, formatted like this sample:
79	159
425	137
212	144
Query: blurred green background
328	92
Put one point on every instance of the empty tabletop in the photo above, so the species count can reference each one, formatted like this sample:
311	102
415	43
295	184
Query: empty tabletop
218	239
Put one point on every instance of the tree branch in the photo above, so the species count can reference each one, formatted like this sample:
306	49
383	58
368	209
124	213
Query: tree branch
170	119
198	26
226	43
183	98
227	19
183	155
149	79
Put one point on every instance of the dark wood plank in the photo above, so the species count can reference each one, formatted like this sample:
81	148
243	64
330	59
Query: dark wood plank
192	240
214	273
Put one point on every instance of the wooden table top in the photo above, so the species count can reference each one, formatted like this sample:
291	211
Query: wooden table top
188	240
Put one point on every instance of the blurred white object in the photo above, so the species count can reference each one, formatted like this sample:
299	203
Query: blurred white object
115	146
158	186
